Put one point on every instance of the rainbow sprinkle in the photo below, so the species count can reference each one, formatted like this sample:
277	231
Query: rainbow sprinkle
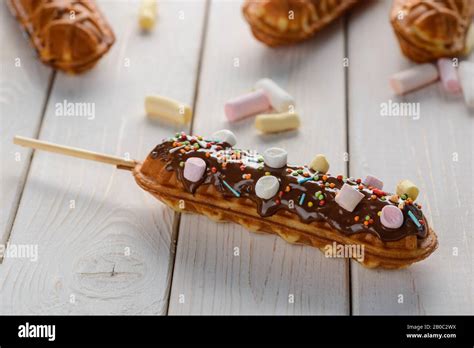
301	181
414	219
303	196
236	193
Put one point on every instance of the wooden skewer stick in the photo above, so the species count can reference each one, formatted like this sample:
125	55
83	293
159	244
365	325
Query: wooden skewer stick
120	162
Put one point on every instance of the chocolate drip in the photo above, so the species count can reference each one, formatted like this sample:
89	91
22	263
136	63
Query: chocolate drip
234	173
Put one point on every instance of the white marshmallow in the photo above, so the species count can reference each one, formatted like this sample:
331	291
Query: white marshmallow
413	78
348	197
225	135
267	187
466	76
275	157
280	100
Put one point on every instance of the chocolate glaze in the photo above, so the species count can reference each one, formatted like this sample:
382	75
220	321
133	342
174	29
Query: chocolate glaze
239	163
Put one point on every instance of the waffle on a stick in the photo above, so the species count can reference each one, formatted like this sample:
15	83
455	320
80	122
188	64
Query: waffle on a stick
226	192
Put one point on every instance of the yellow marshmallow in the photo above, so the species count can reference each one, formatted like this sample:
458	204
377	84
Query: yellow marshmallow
272	123
408	188
469	44
320	164
165	108
147	14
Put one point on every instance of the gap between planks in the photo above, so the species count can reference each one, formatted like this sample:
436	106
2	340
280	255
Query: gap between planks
346	111
177	217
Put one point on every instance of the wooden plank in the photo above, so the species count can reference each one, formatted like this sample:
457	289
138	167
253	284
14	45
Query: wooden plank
423	150
23	88
268	271
112	253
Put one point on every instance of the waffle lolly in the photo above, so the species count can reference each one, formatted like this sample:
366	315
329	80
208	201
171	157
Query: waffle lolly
226	191
70	35
161	174
283	22
428	29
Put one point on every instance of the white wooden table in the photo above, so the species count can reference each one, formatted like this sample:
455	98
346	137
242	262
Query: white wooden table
107	247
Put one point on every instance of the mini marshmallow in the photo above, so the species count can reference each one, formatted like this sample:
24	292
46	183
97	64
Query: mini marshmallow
147	14
246	105
280	100
319	164
406	187
413	78
168	109
272	123
267	187
194	169
373	181
469	43
466	76
226	136
348	197
449	75
275	157
392	217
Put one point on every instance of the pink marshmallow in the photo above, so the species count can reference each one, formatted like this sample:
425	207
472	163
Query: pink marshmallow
348	197
392	217
373	181
416	77
194	168
449	76
246	105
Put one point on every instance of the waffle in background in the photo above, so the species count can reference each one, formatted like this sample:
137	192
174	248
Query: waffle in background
70	35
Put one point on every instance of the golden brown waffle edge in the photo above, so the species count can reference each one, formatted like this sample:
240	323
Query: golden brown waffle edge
207	201
67	35
270	23
428	30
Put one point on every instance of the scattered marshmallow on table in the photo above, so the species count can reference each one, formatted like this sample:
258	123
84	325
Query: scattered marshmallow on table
272	123
225	136
391	217
448	75
466	76
275	157
280	100
469	43
416	77
147	14
168	109
267	187
246	105
348	197
319	164
373	181
194	169
408	188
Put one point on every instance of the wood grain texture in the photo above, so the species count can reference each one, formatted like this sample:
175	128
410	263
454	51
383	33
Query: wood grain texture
23	88
112	253
208	278
424	150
